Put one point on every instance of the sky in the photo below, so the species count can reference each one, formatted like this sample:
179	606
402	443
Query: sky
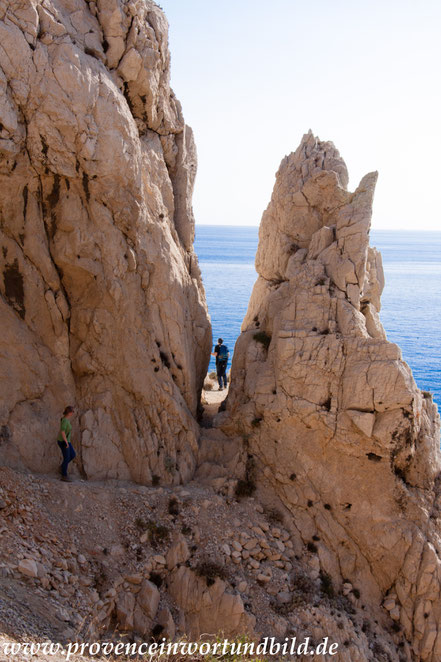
254	75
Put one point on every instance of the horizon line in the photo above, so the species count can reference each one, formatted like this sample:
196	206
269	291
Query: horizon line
231	225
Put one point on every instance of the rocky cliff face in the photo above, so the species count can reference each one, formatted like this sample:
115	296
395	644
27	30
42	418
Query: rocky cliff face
328	408
101	298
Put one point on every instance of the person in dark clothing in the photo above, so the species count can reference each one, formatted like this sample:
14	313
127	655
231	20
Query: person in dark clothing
64	442
222	355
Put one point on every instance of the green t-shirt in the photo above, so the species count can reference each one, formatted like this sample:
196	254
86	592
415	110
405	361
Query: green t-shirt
65	426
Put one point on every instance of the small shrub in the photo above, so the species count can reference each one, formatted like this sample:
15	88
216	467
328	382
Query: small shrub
428	395
286	608
263	338
273	515
141	524
210	570
155	480
208	386
100	579
158	533
327	506
310	503
356	593
302	590
293	476
256	422
311	547
245	488
169	464
186	530
378	650
343	603
212	375
326	584
173	506
303	584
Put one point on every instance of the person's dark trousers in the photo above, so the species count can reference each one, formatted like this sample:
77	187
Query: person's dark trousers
221	370
68	455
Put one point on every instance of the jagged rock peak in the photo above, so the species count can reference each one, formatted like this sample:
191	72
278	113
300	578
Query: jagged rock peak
102	301
332	417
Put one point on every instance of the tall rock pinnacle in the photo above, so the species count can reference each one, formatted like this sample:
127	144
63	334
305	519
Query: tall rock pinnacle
330	411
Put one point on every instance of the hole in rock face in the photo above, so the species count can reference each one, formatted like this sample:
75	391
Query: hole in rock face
165	359
373	457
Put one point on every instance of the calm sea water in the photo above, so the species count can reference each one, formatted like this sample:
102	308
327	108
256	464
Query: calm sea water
411	301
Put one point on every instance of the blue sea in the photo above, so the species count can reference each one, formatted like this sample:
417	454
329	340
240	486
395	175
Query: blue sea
411	301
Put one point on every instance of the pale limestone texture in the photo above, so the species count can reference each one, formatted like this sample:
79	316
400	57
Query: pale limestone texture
330	411
208	609
102	304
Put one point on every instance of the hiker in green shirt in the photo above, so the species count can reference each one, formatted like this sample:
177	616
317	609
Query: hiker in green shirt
64	442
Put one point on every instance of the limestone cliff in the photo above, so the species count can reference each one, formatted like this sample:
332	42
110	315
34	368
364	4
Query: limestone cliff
101	302
329	410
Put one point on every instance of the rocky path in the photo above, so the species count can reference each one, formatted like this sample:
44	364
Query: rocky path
211	401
